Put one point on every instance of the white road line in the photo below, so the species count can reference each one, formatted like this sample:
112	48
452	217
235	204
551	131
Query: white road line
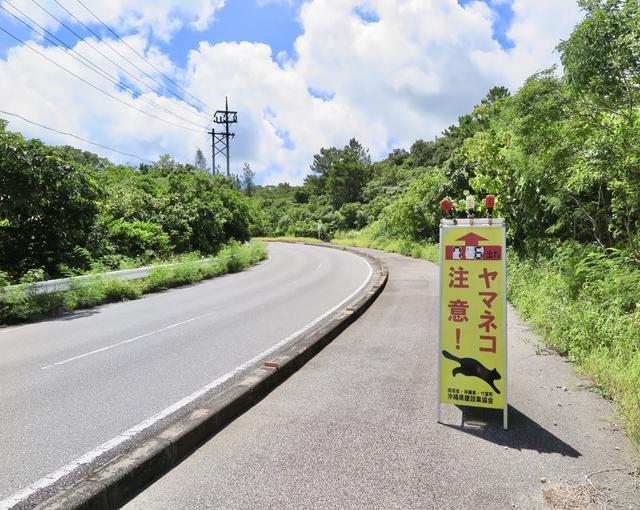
129	340
14	328
87	458
9	329
139	337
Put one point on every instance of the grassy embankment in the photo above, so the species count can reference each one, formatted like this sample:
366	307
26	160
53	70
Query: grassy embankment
363	239
584	304
18	304
587	308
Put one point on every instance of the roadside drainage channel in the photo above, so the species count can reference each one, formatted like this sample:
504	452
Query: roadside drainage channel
117	481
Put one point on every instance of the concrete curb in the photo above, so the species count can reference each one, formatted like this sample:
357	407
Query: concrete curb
114	483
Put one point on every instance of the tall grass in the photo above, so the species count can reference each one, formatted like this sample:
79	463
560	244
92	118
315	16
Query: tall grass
587	306
292	239
19	304
367	238
585	303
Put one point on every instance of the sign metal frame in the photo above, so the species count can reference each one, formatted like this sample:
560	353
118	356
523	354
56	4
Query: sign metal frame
466	223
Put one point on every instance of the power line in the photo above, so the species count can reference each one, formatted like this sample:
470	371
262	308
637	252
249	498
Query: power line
76	137
88	63
95	86
142	56
121	55
97	50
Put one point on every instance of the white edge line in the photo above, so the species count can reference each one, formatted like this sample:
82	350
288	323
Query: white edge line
8	329
87	458
129	340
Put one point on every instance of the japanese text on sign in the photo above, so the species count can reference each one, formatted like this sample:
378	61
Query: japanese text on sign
473	308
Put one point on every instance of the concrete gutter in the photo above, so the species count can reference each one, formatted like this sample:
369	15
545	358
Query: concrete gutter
114	483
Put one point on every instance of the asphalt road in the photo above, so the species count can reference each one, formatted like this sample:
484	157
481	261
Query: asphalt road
356	428
71	384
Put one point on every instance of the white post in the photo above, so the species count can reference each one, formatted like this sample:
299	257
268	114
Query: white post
506	335
438	343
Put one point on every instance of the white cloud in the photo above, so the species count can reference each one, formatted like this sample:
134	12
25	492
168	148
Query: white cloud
407	76
537	28
162	17
41	91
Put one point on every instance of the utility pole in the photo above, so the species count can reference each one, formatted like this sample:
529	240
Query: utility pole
220	140
213	151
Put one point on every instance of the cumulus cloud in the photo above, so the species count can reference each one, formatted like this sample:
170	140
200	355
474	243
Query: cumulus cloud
162	17
383	72
42	91
537	28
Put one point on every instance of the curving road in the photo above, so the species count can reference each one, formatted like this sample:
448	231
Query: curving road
71	384
356	428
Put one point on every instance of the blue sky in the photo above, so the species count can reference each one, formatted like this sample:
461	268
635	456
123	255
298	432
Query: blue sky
274	23
386	73
503	13
277	24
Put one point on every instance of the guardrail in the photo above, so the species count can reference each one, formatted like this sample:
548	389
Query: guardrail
63	284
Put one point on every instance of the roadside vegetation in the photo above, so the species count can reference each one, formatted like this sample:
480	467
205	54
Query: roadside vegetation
561	155
21	303
65	212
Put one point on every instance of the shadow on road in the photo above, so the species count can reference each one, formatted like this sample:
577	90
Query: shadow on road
78	314
523	433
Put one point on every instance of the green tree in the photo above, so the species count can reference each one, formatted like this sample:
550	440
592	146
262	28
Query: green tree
47	205
601	58
199	161
138	239
340	174
602	70
248	180
415	215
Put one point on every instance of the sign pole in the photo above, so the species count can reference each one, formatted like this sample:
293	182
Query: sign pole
505	417
441	280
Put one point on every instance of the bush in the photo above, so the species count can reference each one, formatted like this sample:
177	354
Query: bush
19	304
415	216
586	304
137	238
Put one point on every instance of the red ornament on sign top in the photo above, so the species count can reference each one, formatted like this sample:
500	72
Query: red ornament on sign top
490	201
445	205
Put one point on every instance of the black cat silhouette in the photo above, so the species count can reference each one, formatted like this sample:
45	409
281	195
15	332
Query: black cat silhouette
473	368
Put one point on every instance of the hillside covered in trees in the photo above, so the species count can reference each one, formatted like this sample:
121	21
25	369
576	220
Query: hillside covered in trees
561	155
64	211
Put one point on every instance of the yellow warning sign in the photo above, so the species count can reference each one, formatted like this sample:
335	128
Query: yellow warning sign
473	300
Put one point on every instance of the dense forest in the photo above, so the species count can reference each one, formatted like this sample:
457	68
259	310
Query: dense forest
561	155
64	211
